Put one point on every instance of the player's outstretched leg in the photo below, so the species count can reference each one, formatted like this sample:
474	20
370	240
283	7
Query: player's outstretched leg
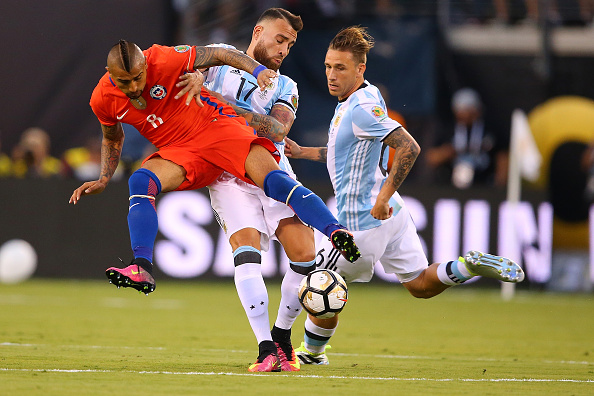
311	210
137	276
491	266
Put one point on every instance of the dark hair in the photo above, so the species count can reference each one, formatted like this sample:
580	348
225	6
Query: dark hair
355	40
280	13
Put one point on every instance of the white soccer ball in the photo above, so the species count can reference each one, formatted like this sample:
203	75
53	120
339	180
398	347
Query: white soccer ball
18	261
323	293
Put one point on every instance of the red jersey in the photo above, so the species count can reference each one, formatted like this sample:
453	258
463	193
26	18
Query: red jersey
203	140
165	120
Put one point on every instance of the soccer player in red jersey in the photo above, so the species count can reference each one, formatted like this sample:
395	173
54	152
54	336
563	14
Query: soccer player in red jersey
195	142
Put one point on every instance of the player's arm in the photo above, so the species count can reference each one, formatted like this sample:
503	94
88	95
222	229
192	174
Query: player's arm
274	126
111	150
217	56
293	150
406	152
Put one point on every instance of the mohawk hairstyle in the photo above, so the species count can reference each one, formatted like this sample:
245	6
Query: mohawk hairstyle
280	13
125	55
353	39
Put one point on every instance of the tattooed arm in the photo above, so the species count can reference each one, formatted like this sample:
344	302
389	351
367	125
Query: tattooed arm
406	152
111	149
217	56
293	150
274	126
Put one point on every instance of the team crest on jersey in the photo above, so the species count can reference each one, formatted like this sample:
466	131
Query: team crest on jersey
378	111
337	119
263	94
295	101
158	92
182	48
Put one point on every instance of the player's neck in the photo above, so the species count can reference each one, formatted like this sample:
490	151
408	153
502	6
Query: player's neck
358	84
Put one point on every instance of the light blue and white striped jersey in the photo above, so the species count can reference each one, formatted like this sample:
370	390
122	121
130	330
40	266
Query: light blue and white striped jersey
355	161
241	89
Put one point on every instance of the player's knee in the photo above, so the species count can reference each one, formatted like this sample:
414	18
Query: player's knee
306	254
144	182
245	255
279	185
245	237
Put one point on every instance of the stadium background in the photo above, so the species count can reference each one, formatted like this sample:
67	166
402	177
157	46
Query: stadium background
54	53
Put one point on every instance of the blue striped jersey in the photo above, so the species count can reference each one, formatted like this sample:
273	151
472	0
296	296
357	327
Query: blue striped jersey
357	159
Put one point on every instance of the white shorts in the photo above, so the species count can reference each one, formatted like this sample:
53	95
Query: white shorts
240	205
395	244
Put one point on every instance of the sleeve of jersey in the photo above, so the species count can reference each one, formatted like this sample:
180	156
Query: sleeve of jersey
289	96
98	106
371	121
172	59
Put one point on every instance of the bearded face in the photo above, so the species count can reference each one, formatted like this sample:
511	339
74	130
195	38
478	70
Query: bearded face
261	55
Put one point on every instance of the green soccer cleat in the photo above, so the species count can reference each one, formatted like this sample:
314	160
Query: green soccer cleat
306	357
491	266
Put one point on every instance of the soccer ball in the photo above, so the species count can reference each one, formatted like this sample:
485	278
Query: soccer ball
323	293
18	261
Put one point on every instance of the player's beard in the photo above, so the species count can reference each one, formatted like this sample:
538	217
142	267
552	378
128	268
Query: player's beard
134	95
261	55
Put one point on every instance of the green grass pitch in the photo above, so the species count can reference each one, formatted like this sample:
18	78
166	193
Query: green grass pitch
192	338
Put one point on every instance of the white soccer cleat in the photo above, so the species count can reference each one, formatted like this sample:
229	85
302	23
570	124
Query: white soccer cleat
306	357
491	266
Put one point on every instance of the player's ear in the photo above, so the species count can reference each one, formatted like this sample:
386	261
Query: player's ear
361	68
257	32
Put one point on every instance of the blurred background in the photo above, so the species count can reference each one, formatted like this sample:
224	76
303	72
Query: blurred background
462	75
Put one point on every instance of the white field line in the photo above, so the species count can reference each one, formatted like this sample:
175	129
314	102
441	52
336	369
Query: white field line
276	375
401	357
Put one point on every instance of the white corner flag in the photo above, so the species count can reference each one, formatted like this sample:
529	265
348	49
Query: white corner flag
524	161
523	147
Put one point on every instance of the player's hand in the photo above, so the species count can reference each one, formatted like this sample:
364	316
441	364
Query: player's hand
382	210
192	85
265	78
292	149
88	188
